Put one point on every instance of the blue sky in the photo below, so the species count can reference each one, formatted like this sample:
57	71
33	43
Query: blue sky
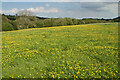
64	9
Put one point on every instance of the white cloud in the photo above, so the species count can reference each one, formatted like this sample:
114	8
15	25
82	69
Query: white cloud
35	10
92	10
43	10
113	8
14	10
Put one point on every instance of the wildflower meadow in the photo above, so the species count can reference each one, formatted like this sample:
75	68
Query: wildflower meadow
75	51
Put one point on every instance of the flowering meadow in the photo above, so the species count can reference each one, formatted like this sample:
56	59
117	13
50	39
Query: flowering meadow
77	51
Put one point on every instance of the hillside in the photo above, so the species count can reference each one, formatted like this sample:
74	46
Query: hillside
15	22
78	51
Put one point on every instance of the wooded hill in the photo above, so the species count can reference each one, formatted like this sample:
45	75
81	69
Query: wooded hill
16	22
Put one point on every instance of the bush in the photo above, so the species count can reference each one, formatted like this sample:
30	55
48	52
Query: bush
39	24
60	22
47	23
69	21
14	24
75	21
7	26
23	23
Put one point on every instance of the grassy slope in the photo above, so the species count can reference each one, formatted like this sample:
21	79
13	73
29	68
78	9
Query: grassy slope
71	51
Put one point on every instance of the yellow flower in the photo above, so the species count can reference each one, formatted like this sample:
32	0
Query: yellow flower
53	76
37	73
76	76
78	72
41	76
71	68
62	72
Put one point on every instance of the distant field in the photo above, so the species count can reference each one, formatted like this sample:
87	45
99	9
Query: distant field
79	51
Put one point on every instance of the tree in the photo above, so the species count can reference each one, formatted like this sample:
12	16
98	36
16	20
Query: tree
0	22
25	13
25	19
75	21
23	23
39	23
7	26
69	21
60	22
47	23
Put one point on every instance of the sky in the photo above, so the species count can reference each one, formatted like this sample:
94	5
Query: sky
52	8
59	0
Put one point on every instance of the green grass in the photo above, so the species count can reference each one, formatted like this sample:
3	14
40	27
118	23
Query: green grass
79	51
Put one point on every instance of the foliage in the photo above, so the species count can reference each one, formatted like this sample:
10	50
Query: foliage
60	22
47	23
69	21
7	27
39	24
25	13
23	22
75	21
26	19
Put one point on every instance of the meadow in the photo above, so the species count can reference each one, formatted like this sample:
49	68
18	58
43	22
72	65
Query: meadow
77	51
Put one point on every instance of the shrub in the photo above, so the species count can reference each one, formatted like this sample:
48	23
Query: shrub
69	21
47	23
14	23
7	26
60	22
75	21
39	24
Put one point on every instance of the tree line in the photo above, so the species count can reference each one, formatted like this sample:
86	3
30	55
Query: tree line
18	21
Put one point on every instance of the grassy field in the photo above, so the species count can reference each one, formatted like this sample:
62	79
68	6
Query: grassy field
79	51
